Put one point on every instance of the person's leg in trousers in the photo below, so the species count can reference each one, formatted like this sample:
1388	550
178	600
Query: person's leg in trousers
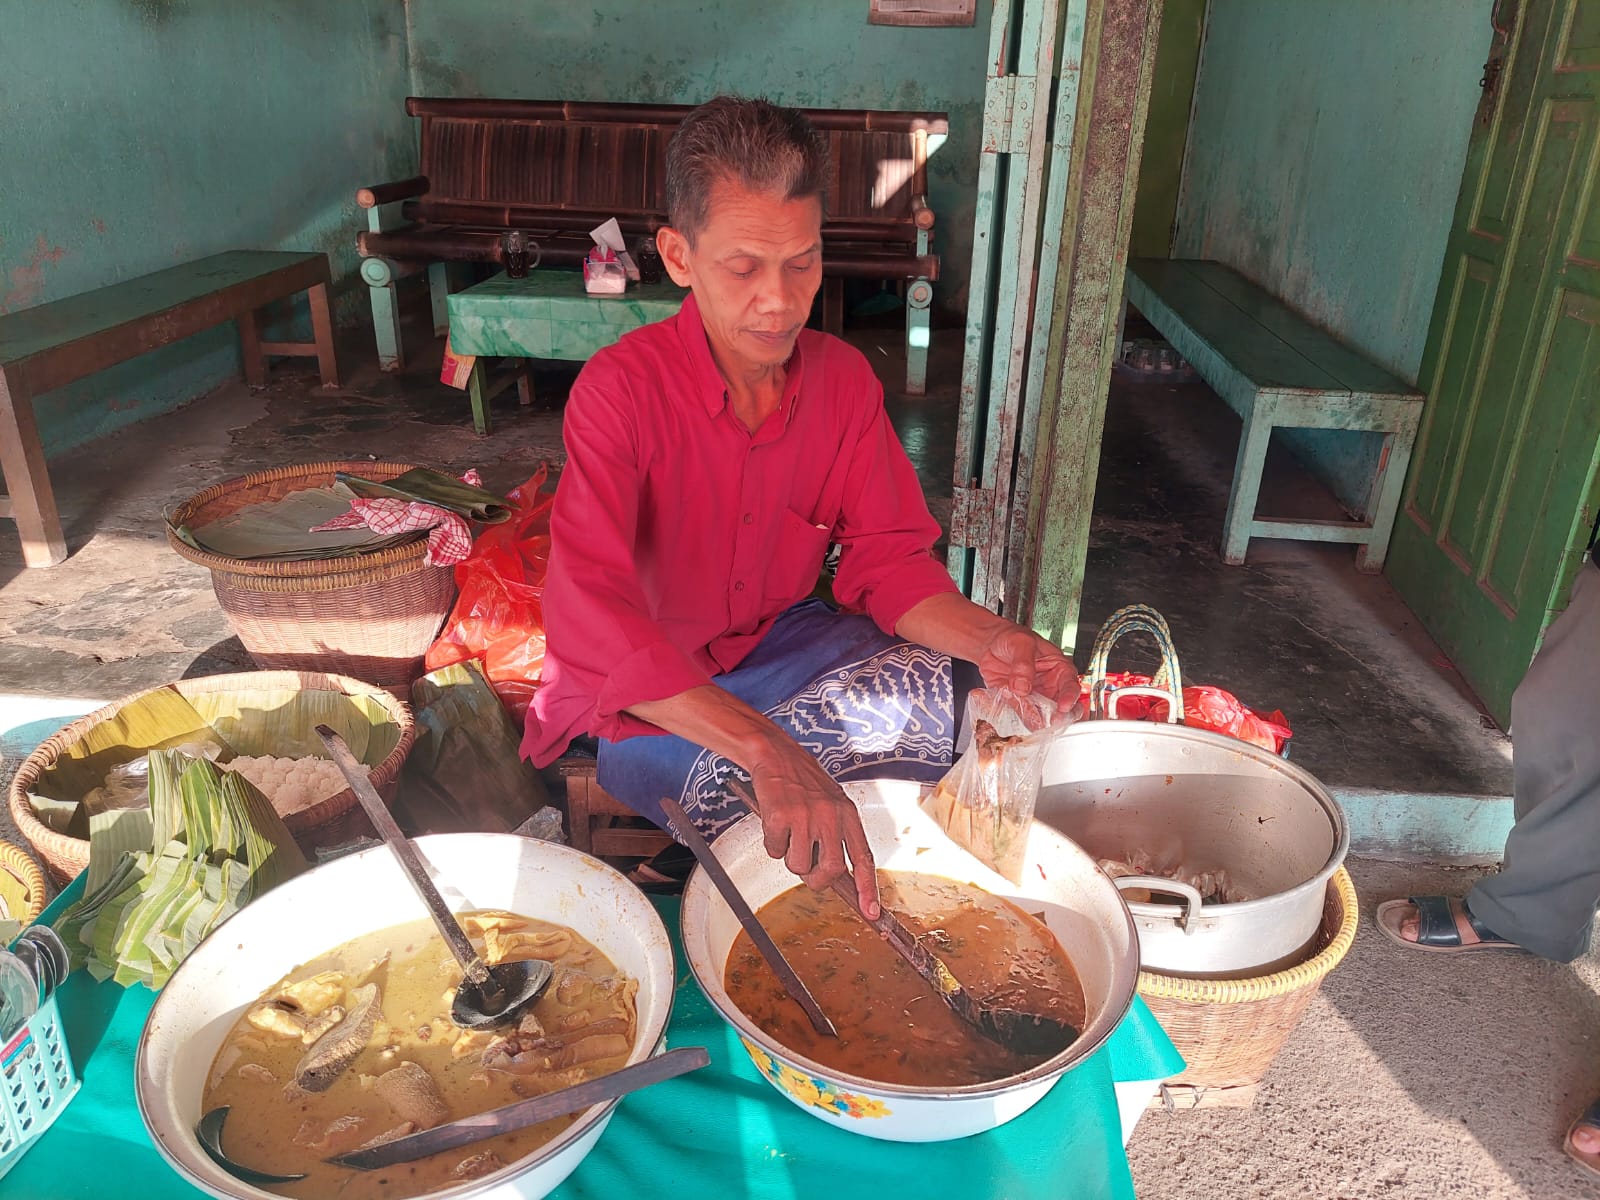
1545	894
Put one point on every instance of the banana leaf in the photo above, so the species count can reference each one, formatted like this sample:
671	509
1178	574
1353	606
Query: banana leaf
284	722
465	772
157	720
214	842
436	488
280	530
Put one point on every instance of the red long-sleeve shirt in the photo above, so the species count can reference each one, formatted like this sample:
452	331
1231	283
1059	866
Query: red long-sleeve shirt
678	536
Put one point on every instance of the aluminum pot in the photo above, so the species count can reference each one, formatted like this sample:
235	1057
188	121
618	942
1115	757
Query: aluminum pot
1059	881
1209	802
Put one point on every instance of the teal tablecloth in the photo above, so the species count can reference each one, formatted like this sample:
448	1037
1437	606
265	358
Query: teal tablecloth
722	1131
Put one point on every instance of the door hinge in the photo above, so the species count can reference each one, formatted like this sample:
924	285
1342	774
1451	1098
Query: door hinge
1008	114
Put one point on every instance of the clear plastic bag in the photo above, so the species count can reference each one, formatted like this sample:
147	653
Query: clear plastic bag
986	800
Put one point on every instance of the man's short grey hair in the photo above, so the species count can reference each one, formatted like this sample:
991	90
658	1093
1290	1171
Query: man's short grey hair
754	143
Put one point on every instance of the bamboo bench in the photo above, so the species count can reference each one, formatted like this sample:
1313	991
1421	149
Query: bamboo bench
1277	370
66	340
556	169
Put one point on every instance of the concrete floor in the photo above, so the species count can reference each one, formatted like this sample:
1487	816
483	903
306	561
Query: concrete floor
1411	1077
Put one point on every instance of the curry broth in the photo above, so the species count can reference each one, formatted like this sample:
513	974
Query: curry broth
276	1125
892	1027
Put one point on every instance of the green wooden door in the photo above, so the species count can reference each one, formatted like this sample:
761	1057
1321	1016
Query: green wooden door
1503	487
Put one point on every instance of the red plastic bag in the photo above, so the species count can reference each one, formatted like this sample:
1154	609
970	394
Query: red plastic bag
498	618
1205	708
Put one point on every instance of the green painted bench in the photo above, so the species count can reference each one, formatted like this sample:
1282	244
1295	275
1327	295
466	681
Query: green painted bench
1277	370
66	340
546	314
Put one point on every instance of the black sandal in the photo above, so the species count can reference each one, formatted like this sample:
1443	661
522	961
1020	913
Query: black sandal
665	873
1437	932
1590	1163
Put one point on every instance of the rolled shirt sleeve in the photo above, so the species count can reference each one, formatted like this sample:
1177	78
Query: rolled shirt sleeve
611	648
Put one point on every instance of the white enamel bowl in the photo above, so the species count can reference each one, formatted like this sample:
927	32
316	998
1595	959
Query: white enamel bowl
1080	905
325	907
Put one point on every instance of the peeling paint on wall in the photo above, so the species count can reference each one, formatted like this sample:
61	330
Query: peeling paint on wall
143	133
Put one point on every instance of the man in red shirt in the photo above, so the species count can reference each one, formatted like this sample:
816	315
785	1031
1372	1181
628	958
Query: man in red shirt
712	458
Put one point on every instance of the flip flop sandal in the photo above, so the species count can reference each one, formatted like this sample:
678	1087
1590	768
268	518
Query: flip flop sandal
1590	1163
1437	932
666	873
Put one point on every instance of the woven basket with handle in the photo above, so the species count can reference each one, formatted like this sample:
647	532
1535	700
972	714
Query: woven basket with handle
370	616
1230	1030
21	884
335	819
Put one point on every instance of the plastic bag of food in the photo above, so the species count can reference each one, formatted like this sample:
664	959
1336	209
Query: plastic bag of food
498	618
986	800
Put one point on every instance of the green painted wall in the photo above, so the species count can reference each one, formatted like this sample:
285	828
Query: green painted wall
1324	159
819	54
142	133
1166	131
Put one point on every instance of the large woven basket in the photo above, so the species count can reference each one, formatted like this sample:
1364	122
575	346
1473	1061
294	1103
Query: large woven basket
370	616
21	884
1230	1030
336	819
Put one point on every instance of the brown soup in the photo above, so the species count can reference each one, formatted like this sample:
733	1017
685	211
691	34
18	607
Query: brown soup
892	1027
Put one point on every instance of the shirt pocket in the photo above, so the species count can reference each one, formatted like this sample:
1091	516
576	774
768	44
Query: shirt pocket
792	569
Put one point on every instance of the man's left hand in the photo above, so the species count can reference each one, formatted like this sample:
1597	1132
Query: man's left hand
1021	660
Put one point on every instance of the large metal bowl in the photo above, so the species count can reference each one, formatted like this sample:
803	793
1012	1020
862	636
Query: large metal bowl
1080	905
1187	796
352	896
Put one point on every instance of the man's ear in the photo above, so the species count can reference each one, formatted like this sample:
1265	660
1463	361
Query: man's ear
674	250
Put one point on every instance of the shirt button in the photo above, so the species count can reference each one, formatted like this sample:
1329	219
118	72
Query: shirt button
749	518
739	587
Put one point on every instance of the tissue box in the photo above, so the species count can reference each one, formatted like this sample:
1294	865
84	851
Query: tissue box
604	274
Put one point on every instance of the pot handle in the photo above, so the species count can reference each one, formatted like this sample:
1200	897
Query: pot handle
1113	695
1192	900
1135	617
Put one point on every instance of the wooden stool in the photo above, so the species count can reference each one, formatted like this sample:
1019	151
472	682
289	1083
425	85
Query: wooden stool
592	817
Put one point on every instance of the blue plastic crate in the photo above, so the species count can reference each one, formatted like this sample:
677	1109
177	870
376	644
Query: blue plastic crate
36	1081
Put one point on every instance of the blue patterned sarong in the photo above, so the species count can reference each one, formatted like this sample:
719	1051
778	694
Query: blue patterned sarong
865	705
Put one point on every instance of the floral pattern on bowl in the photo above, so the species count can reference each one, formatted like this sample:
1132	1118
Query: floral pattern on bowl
818	1093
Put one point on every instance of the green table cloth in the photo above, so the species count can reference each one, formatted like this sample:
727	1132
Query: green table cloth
722	1131
547	314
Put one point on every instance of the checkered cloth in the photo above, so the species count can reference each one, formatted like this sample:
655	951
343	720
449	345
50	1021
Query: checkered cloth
449	542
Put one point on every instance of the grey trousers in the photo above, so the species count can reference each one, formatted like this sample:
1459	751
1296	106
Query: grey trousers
1545	895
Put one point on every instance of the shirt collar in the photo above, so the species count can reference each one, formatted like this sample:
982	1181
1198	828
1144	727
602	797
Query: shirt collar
707	380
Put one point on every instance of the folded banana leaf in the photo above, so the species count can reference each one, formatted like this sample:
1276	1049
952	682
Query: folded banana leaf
214	843
437	488
280	530
465	772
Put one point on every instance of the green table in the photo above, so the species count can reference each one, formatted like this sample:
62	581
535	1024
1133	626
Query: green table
546	314
721	1131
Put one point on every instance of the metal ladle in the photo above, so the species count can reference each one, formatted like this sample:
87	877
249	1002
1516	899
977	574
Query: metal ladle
488	996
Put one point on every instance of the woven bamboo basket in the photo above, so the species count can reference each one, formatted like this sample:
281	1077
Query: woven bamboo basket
369	616
336	819
21	884
1230	1030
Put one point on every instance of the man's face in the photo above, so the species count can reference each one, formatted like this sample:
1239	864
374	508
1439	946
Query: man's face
755	268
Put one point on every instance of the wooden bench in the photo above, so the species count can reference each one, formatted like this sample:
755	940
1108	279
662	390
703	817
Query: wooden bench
61	342
556	170
1277	370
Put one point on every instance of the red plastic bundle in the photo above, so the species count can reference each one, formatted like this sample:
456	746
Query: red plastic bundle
499	616
1205	708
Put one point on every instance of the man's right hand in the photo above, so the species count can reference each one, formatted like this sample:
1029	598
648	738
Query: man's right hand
807	819
810	823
